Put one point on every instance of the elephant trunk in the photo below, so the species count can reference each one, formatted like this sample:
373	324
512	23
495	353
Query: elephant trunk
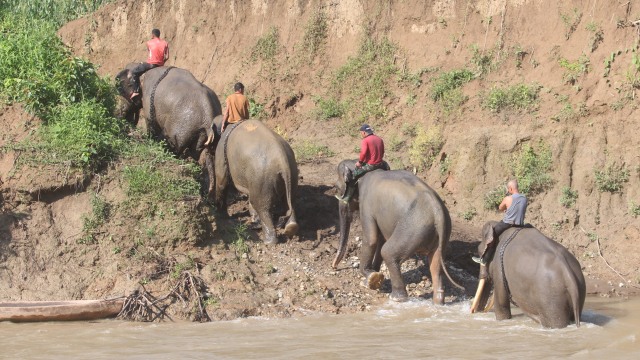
345	225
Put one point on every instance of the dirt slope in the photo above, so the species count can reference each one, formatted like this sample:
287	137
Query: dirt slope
524	41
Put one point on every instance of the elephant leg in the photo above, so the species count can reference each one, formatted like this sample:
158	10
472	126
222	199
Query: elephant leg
211	171
502	305
435	266
255	219
268	229
393	259
370	254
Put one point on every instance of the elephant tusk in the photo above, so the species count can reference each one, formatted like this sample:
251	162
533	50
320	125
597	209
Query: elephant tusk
476	299
490	304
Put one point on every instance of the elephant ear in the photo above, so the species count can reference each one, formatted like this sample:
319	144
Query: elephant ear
488	236
123	83
348	175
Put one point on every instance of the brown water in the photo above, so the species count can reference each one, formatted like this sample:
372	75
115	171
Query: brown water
416	329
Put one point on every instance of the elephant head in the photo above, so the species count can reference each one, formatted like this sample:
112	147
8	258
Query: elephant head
485	283
125	107
345	173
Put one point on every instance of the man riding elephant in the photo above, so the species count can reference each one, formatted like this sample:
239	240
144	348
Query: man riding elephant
237	109
371	154
514	206
158	55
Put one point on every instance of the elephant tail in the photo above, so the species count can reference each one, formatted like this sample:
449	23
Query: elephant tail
574	295
291	228
444	232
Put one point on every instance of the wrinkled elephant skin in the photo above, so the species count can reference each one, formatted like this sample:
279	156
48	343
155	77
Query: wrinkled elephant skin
261	164
400	216
543	278
184	110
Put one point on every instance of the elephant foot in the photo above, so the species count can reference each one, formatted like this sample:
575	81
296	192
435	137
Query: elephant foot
374	280
399	296
291	229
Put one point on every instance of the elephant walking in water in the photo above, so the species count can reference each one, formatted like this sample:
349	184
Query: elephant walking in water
261	164
534	272
177	108
400	216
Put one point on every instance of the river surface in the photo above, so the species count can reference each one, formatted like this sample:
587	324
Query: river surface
413	330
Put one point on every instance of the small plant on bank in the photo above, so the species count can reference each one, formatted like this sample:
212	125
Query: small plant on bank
256	109
481	60
493	197
99	215
612	178
634	209
516	97
569	197
240	241
574	69
425	147
449	81
308	150
597	35
571	21
469	214
531	166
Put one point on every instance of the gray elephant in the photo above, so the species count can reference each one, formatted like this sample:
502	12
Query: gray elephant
177	108
261	164
535	273
400	216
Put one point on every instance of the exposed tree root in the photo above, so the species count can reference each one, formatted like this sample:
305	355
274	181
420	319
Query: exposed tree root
189	289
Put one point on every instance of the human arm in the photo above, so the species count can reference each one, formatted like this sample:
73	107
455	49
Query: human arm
166	53
225	115
364	153
506	202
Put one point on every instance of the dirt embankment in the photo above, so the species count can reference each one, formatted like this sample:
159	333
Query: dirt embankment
588	124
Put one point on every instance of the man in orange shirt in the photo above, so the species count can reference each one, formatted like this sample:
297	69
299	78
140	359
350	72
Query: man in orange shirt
237	109
158	54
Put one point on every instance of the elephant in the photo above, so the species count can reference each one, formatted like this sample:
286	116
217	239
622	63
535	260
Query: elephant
177	107
261	164
400	216
535	273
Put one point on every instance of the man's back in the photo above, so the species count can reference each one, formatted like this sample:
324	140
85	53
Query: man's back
157	50
515	212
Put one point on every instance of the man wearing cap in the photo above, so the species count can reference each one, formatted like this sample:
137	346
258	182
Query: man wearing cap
371	154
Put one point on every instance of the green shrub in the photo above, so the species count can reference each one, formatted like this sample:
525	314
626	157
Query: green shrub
425	147
362	82
449	81
452	100
481	60
256	109
308	150
56	12
531	166
516	97
493	197
266	47
569	197
240	240
315	34
329	108
612	178
64	91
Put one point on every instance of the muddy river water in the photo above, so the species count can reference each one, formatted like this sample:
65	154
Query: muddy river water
412	330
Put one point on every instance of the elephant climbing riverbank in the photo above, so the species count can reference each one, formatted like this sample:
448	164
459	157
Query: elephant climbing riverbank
261	164
534	272
400	216
177	108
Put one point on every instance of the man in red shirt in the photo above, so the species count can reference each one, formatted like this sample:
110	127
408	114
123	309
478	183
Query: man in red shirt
158	54
371	154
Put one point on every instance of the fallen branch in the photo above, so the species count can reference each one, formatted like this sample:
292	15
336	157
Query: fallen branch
628	283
